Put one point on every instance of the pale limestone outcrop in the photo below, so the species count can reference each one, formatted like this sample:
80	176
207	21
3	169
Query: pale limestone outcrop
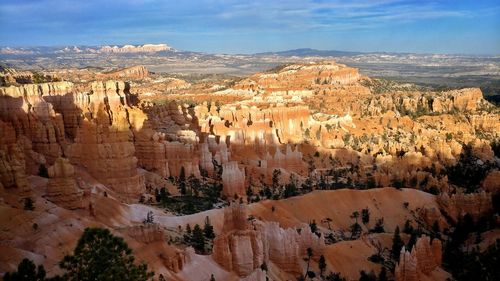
407	268
238	248
62	188
233	179
424	258
284	250
307	239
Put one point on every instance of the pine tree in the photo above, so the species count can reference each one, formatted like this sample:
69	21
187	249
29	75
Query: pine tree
322	265
276	178
379	226
208	229
397	244
198	239
313	226
382	276
28	204
309	256
26	271
149	218
99	255
365	216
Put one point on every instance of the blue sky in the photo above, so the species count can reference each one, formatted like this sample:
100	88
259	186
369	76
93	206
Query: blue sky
243	26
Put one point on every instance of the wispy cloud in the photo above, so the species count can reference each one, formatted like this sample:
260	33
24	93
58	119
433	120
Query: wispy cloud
284	20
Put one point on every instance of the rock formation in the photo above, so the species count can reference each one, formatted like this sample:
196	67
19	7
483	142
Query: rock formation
424	258
284	250
147	233
62	188
238	248
457	205
233	179
147	48
135	72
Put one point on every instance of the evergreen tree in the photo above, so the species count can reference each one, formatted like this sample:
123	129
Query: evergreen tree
397	244
382	276
99	255
208	229
379	226
28	204
198	239
212	278
365	216
322	265
367	276
334	276
26	271
276	178
313	226
355	230
149	218
412	241
408	228
263	266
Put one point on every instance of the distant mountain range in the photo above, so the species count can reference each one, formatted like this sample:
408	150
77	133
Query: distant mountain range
123	49
160	49
306	52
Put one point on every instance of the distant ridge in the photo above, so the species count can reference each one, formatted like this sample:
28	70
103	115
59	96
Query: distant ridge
305	52
102	49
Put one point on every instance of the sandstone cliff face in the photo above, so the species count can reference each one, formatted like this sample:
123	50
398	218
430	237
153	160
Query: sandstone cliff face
284	250
62	188
104	144
241	249
457	205
492	182
148	233
303	76
238	248
135	72
424	258
154	237
97	121
12	160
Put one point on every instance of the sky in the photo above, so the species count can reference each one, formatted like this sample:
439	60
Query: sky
244	26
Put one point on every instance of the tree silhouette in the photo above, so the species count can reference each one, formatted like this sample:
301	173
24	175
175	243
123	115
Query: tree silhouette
365	216
101	256
208	229
309	255
198	239
322	265
397	244
28	204
26	271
